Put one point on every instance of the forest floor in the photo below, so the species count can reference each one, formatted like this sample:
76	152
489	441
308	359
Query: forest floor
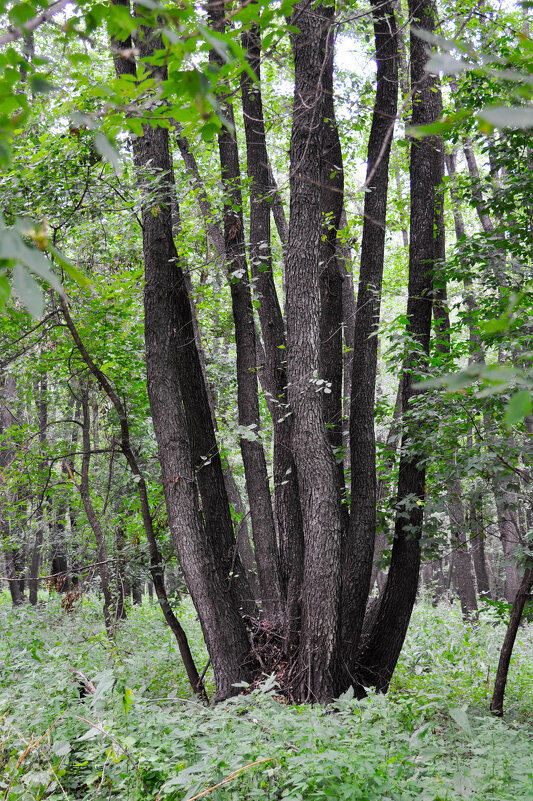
142	736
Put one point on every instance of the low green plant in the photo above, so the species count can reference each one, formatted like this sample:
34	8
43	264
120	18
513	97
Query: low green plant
141	735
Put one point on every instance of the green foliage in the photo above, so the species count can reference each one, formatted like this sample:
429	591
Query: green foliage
141	735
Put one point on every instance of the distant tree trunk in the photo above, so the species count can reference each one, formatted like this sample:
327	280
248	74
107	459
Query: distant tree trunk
316	468
17	596
477	544
7	453
523	595
509	535
380	650
40	392
358	550
461	559
122	581
110	600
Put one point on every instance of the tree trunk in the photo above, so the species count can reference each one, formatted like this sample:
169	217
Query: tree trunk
360	545
523	595
286	497
358	549
461	559
183	427
380	650
40	392
331	278
251	444
477	544
315	463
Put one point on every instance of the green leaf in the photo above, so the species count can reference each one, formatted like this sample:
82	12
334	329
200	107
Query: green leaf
89	735
519	406
508	116
108	152
69	267
5	291
61	748
40	86
28	290
458	713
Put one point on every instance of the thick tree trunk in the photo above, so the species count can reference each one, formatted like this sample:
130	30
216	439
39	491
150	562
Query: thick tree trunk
331	278
315	463
358	549
380	650
205	545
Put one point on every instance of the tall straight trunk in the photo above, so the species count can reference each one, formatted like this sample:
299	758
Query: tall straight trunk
380	650
205	544
331	278
253	455
509	535
286	496
358	548
94	519
205	451
7	394
315	463
523	594
40	391
182	422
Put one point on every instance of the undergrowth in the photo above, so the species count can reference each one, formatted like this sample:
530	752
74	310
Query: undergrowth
142	735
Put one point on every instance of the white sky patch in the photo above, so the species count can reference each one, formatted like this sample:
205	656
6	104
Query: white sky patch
350	56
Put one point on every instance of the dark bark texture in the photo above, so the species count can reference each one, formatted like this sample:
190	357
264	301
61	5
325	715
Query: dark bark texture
358	548
380	650
315	463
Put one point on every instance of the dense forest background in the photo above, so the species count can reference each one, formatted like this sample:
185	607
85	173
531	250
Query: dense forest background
265	368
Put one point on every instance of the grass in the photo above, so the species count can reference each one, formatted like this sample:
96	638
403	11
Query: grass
142	736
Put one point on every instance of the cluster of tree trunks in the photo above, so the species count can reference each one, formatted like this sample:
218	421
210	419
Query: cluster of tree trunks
315	544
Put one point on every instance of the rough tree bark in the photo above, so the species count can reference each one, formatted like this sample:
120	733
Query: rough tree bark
253	455
181	415
315	463
331	277
358	551
286	497
381	648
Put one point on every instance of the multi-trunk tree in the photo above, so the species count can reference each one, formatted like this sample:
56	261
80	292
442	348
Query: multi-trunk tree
320	488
